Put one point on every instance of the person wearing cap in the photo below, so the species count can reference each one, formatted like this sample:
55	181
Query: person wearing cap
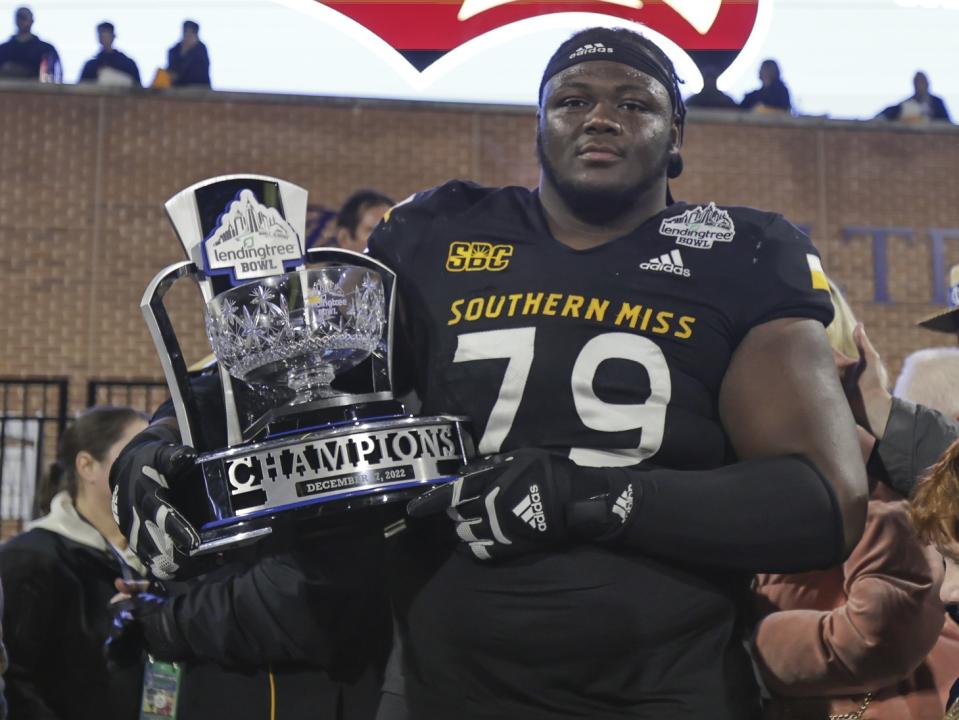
110	66
657	413
946	321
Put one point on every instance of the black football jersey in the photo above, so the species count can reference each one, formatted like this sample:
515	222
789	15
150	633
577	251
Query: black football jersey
613	356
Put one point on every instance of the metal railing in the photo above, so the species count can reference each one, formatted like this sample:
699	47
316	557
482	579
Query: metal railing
33	414
145	395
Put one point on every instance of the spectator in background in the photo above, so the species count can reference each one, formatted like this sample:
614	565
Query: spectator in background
188	62
58	578
25	55
857	636
110	66
773	96
711	96
358	216
921	107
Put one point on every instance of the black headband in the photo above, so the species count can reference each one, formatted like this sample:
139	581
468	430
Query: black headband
607	44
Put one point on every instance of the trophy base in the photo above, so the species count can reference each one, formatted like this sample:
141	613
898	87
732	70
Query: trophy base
328	475
334	515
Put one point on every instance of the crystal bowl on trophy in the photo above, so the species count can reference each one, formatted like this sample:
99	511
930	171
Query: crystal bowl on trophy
298	330
295	419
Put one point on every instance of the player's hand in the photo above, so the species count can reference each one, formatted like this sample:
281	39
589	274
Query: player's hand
529	500
143	620
140	479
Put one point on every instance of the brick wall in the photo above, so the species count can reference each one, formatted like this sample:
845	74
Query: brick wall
84	174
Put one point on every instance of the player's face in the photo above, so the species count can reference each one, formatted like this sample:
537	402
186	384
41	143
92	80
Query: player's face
605	133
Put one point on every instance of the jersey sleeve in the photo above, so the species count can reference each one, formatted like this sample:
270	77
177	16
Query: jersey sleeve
785	278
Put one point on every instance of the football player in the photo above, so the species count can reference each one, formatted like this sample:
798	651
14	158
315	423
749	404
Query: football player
652	389
657	406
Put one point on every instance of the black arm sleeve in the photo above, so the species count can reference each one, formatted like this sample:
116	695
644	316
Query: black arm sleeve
914	438
322	604
260	616
775	515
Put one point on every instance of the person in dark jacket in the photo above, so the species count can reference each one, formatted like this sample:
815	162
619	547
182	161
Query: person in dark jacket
110	59
300	624
921	106
24	54
305	632
773	95
58	577
188	62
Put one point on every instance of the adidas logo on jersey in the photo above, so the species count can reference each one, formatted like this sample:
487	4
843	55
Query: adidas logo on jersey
624	504
530	509
671	262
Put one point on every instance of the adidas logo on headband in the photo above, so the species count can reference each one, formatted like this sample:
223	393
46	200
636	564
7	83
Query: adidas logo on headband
590	49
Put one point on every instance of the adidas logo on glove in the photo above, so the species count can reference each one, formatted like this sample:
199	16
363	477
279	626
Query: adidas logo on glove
624	503
530	509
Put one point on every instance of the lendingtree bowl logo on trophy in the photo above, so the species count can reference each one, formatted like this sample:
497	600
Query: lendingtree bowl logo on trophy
251	241
296	419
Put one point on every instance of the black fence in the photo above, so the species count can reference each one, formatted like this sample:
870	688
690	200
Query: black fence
33	414
143	395
34	411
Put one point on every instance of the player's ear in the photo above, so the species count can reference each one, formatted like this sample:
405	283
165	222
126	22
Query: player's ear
675	135
674	168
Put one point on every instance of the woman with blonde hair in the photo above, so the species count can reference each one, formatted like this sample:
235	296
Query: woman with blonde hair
854	641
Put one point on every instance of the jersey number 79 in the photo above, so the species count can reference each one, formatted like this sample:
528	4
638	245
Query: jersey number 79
517	346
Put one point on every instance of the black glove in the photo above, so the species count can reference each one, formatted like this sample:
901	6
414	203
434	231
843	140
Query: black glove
530	500
140	479
144	622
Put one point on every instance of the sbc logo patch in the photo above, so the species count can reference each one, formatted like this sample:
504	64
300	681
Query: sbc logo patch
477	256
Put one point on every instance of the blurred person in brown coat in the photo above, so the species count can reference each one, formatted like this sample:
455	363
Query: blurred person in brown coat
864	640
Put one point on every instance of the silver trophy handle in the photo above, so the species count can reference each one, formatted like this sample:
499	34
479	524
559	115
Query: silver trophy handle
171	356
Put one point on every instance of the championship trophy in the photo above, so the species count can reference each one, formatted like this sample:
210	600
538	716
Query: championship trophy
302	422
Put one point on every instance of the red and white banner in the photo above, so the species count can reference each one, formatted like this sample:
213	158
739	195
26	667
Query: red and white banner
445	24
